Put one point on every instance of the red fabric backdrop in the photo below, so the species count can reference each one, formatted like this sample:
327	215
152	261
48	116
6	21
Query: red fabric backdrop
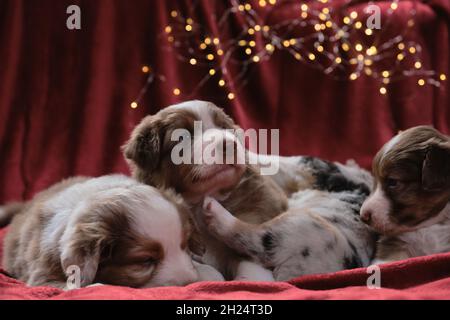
65	110
65	95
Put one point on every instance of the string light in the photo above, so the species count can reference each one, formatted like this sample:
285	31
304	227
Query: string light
331	36
134	105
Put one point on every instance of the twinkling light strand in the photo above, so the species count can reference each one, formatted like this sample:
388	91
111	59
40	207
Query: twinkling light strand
335	41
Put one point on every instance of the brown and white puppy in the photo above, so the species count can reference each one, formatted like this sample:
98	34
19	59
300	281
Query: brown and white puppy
240	188
112	229
250	196
410	203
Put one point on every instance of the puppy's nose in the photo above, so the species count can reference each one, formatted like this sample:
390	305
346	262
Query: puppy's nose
366	216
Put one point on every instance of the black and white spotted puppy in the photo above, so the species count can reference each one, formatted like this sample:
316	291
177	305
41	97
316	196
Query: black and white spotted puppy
320	232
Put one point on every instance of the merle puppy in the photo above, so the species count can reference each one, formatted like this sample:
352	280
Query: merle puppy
321	197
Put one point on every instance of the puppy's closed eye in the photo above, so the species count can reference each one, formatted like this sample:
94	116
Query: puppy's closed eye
392	183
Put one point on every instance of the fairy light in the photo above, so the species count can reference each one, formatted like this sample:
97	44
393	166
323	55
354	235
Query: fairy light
134	105
371	51
330	36
270	47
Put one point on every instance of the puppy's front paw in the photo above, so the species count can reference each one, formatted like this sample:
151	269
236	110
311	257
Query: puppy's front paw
217	219
95	285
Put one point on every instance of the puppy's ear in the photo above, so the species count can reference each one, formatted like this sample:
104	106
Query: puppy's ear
84	244
436	167
82	251
144	146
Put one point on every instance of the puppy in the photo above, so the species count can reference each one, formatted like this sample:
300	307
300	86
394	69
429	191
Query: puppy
320	233
113	229
410	202
240	188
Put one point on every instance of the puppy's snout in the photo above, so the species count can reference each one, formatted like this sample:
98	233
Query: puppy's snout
366	216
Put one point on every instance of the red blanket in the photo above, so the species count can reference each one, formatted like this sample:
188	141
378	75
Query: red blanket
65	110
418	278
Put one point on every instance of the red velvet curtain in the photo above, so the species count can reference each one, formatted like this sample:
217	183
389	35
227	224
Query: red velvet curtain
65	94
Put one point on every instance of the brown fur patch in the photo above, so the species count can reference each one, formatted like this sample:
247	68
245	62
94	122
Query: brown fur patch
411	201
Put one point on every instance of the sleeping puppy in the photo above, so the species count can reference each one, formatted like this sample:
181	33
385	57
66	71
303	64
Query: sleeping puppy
321	232
113	229
240	188
410	203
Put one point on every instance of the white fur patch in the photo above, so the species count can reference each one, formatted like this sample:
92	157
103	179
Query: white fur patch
379	205
391	143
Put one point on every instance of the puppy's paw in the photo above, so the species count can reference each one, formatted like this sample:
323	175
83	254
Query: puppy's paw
217	219
95	285
207	272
